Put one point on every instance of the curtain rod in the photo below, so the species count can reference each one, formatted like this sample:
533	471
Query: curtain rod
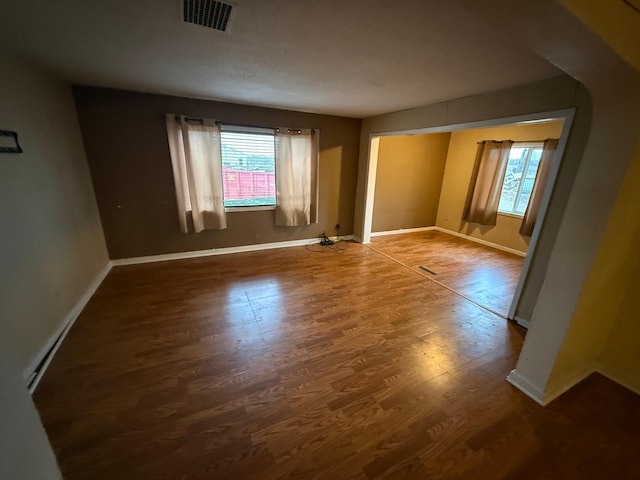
221	123
289	130
201	121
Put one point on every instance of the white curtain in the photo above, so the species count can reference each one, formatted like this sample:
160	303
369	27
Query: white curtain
296	176
197	173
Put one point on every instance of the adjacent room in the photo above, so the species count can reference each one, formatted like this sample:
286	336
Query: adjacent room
423	184
364	240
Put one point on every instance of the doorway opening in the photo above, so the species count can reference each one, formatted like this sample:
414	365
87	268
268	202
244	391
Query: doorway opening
416	188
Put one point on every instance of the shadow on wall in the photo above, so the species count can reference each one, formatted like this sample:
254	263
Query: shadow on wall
333	191
471	228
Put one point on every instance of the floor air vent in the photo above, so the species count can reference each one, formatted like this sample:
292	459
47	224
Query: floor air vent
208	13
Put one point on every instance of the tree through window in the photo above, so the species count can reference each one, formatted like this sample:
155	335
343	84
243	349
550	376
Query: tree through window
519	178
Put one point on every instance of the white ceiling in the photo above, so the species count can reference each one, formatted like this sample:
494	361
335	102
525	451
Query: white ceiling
349	57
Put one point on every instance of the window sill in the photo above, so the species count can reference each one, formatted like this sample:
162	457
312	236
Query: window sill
256	208
513	215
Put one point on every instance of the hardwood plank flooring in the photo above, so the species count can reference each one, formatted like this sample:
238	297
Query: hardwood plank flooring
483	274
294	364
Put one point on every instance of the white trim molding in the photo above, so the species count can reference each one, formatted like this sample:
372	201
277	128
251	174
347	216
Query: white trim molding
483	242
220	251
450	232
373	146
526	387
546	396
523	322
31	374
342	238
402	230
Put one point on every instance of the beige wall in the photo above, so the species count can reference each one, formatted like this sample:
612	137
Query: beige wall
408	181
457	175
620	358
127	151
51	248
605	331
52	245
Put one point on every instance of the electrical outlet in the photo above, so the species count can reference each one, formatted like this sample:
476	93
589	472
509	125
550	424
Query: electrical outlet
337	227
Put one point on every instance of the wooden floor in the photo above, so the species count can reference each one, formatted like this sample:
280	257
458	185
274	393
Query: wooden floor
483	274
296	364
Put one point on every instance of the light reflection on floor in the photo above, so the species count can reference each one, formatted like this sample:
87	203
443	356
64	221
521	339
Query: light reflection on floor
261	298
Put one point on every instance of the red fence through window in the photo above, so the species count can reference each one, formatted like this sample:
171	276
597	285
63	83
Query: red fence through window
240	184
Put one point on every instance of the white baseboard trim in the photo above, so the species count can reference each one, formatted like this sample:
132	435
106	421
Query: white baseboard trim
342	238
619	377
526	387
483	242
545	397
521	321
52	345
220	251
450	232
518	380
402	230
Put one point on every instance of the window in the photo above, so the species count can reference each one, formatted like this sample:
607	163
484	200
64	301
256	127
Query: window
221	168
519	177
248	167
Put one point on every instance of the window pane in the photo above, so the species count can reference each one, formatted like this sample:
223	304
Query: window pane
512	178
528	180
248	169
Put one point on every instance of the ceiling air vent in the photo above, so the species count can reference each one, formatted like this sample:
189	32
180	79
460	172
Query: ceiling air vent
207	13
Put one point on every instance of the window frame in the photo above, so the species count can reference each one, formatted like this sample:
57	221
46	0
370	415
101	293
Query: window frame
248	130
531	146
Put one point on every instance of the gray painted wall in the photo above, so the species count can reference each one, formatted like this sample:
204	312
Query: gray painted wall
52	245
51	249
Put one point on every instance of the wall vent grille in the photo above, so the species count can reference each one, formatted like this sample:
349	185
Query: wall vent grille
208	13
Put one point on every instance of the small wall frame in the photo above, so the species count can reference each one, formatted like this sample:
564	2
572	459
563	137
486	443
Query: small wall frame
9	142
